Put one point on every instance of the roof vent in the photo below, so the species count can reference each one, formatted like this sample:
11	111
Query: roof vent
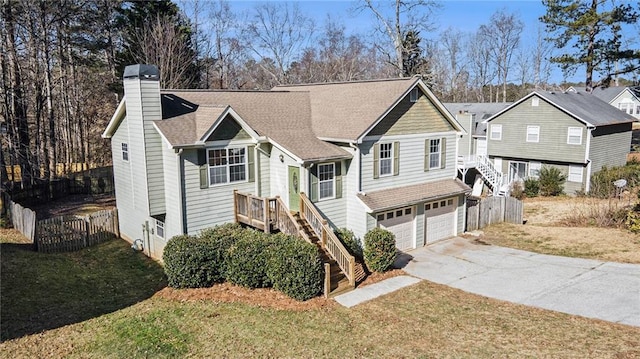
142	72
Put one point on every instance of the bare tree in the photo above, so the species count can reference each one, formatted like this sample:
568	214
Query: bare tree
278	31
407	16
502	34
162	44
480	65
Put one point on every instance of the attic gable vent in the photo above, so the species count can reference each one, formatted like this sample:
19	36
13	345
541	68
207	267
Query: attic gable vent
535	102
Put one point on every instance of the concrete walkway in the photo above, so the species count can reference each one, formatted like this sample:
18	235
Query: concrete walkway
589	288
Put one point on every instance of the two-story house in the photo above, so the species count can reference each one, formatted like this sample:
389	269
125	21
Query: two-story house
573	131
367	154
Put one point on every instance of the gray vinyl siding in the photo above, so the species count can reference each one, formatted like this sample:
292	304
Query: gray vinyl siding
264	172
355	210
279	173
155	170
207	207
466	142
412	117
173	219
411	163
335	210
609	146
552	145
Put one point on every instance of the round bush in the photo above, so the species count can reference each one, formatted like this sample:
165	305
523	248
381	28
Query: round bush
379	249
295	267
351	242
189	262
551	181
246	261
531	187
221	238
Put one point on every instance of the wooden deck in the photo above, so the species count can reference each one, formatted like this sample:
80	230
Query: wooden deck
272	215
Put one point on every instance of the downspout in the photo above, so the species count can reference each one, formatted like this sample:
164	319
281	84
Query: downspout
587	186
359	179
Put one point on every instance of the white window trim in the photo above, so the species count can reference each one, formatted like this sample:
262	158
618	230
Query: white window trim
227	165
572	176
414	95
534	166
498	131
125	151
569	135
533	130
160	224
380	174
439	153
333	181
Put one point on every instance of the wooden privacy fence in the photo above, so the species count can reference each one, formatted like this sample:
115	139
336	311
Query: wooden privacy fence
70	233
22	218
493	210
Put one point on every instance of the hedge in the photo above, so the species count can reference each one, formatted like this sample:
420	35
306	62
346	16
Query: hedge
189	262
247	260
379	249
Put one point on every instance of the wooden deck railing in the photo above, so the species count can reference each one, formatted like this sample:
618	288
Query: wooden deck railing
329	240
253	210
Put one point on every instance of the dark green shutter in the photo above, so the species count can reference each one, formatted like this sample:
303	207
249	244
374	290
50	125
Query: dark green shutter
396	158
251	163
338	178
204	168
376	161
313	186
427	145
443	152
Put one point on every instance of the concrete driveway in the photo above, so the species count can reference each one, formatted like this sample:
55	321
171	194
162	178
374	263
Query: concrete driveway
589	288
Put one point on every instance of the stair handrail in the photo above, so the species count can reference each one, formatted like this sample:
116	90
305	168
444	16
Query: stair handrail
286	222
328	239
489	171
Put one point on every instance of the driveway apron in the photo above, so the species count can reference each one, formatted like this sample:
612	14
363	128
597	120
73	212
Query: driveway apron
589	288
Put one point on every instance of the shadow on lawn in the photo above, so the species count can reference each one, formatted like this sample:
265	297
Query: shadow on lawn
41	291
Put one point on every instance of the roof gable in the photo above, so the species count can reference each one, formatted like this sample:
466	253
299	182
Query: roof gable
583	107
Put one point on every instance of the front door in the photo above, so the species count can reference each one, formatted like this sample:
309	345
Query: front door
294	188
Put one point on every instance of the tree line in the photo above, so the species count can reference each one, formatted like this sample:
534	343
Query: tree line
61	62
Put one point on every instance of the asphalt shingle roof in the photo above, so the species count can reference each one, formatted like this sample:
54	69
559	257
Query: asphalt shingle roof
606	94
587	108
284	117
347	110
409	195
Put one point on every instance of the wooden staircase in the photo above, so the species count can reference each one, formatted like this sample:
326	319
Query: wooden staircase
339	283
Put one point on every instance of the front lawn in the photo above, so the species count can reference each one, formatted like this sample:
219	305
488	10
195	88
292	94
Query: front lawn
92	314
551	229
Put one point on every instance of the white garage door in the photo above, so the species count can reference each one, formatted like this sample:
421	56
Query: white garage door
440	218
400	223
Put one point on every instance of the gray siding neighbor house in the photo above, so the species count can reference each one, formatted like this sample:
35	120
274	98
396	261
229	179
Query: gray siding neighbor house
573	131
369	153
626	99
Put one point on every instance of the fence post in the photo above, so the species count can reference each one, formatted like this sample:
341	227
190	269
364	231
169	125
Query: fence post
267	220
235	206
327	280
324	233
87	230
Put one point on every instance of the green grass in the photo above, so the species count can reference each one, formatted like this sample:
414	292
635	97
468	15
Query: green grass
100	306
43	291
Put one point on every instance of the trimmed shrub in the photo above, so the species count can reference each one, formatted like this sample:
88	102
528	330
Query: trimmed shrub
351	242
295	267
246	261
379	249
531	187
189	262
221	238
551	181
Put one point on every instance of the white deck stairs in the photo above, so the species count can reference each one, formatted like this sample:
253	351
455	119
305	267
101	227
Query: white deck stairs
494	178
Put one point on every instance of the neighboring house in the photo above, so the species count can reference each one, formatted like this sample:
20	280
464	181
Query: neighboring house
474	142
623	98
573	131
369	153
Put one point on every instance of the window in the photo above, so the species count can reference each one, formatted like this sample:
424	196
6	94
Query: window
125	151
386	159
414	94
326	176
533	133
159	228
626	107
535	102
496	132
449	202
574	136
575	174
434	153
227	165
534	169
